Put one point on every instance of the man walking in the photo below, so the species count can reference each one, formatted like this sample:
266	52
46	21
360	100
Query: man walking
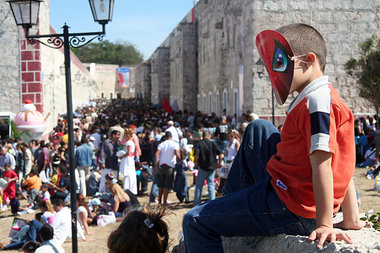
83	158
165	159
205	153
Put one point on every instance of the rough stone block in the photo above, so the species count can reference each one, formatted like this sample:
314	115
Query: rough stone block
365	240
322	16
299	5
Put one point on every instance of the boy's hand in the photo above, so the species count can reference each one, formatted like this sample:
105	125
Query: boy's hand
328	234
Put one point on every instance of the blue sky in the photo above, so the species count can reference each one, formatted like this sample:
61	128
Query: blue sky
144	23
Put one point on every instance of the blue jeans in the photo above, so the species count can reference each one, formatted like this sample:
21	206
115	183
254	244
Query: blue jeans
32	235
202	176
251	206
154	189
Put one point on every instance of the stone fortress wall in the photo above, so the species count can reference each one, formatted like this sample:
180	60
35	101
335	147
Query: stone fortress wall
227	74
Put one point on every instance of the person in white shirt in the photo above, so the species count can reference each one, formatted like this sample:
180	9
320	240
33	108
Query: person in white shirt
62	221
48	245
165	159
176	133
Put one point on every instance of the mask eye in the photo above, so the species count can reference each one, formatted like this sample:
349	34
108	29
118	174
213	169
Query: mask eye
280	62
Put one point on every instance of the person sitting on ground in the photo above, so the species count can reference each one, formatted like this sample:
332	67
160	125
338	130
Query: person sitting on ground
121	200
62	220
15	204
85	216
48	244
45	194
141	231
32	185
47	210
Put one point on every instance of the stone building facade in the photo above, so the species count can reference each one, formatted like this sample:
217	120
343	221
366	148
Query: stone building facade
229	73
33	71
183	88
143	81
160	74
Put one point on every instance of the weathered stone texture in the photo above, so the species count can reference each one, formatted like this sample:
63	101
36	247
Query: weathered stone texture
143	81
343	24
160	74
228	73
10	81
225	55
183	89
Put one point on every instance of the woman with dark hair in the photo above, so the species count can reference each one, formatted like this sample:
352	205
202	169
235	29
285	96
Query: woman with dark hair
141	231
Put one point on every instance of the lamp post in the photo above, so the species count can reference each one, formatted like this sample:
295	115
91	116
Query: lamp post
25	13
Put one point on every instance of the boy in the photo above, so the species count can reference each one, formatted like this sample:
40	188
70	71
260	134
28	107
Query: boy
11	177
293	186
32	185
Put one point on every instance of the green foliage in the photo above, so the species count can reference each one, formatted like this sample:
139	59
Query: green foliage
15	133
374	219
365	70
105	52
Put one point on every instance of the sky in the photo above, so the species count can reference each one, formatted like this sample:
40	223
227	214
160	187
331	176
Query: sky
143	23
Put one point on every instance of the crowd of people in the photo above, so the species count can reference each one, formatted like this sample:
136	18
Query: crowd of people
120	145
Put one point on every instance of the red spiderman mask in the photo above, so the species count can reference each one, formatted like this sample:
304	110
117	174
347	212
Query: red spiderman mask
276	54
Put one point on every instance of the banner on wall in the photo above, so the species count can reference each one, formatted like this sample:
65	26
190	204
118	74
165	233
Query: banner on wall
123	76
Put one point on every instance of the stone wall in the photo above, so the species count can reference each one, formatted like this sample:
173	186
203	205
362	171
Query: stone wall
143	81
160	74
224	55
105	78
33	71
10	67
228	73
343	24
183	89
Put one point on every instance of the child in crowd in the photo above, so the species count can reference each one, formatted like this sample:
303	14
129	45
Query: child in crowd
141	231
45	194
11	177
293	184
15	204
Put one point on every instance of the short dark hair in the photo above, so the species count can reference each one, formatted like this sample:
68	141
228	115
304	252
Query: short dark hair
304	39
141	231
168	135
46	232
34	170
57	200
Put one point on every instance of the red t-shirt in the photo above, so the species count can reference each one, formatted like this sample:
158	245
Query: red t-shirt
11	189
317	120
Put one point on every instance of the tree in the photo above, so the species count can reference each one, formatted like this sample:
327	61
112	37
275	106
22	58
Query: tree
106	52
366	71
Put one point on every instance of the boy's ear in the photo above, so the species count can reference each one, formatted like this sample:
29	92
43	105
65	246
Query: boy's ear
311	57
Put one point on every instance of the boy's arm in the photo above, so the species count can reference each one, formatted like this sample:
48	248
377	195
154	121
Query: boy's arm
324	194
351	219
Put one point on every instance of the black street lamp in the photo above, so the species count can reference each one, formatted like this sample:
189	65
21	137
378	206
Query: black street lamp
25	13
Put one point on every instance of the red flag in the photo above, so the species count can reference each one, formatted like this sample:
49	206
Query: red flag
166	106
